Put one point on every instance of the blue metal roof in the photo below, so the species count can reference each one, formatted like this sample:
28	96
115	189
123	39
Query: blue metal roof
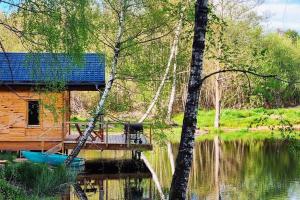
40	68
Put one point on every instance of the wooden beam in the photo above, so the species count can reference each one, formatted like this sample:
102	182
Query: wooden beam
27	145
115	176
104	146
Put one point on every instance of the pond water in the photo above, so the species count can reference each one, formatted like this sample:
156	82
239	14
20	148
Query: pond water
221	170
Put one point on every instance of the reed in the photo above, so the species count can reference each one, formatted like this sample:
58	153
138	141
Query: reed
8	156
38	179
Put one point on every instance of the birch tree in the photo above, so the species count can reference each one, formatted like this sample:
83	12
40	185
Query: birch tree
218	78
99	109
129	33
72	27
173	89
226	10
173	53
185	154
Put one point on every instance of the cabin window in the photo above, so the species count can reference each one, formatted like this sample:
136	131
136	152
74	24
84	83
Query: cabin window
33	113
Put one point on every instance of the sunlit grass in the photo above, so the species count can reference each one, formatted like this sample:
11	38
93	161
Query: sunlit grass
234	124
234	118
243	134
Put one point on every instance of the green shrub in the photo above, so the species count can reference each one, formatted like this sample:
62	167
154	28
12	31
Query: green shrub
9	192
8	156
38	178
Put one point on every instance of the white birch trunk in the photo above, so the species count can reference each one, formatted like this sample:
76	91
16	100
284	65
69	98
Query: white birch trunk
154	177
217	101
173	90
171	157
217	165
218	93
100	106
172	54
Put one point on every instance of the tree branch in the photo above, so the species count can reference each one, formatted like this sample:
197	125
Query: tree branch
6	57
148	40
113	8
249	72
18	5
19	33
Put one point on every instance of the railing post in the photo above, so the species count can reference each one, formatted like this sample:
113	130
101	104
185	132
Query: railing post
43	145
101	128
150	134
128	135
106	134
68	129
64	130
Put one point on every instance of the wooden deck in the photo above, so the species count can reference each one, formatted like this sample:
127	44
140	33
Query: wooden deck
109	142
104	137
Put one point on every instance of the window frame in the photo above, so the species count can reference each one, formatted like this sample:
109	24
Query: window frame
27	114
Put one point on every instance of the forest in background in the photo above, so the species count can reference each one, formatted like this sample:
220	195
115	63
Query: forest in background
235	41
148	44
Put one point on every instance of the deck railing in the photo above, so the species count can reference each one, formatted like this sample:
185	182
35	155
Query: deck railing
103	130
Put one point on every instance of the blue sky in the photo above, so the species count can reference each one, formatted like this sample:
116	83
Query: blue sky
283	14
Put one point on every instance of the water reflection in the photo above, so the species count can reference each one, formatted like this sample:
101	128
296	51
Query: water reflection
221	170
113	179
237	170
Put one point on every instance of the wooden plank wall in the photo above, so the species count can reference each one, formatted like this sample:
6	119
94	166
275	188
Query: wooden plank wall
13	116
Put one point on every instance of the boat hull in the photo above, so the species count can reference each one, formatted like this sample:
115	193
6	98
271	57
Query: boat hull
51	159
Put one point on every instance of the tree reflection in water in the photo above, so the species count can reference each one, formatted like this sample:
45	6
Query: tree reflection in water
221	170
237	170
113	179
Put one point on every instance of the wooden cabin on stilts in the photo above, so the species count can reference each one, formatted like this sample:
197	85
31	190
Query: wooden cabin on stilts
35	112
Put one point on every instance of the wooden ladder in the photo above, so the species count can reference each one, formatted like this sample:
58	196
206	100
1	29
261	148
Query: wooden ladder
56	148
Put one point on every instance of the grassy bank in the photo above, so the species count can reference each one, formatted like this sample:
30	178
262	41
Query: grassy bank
234	118
246	124
243	134
33	181
234	124
8	191
12	192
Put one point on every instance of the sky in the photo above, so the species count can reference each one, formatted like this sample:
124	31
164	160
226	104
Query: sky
282	14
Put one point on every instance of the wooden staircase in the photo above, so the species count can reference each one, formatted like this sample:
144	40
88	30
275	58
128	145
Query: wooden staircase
56	148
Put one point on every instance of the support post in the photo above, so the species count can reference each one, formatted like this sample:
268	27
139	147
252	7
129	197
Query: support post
106	134
150	134
128	135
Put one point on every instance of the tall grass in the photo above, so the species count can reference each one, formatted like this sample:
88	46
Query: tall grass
11	192
8	192
8	156
38	179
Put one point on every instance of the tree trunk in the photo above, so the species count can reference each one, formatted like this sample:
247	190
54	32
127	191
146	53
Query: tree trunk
172	54
185	154
79	192
173	90
154	176
171	157
184	95
217	101
218	92
91	125
217	165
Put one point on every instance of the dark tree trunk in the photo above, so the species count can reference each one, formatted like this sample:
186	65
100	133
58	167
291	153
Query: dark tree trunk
185	154
79	192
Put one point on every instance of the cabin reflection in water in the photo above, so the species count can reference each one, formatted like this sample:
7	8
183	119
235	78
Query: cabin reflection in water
108	179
